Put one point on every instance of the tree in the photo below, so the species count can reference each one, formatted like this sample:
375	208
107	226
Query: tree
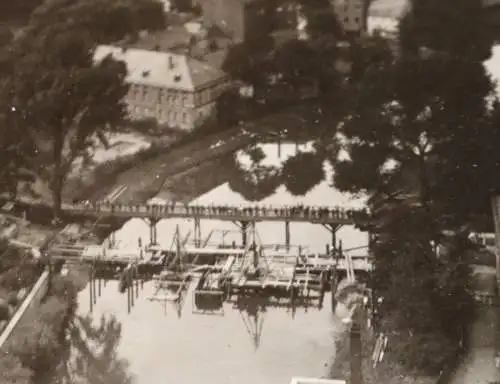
420	126
37	344
65	102
103	21
18	12
454	27
12	371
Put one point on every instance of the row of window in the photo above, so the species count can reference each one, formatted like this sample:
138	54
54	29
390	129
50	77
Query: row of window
173	97
160	114
168	115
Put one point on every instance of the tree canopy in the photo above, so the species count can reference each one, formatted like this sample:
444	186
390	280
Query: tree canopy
57	95
453	26
417	132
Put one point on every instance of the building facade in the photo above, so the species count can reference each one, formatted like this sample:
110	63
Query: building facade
174	89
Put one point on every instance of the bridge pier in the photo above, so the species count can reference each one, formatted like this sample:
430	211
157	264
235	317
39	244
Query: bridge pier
333	228
197	232
153	232
287	235
243	226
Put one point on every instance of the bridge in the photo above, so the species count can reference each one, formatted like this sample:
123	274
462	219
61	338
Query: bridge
311	214
332	218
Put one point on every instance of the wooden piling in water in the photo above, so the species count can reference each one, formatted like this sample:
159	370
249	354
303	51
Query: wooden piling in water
128	295
333	288
131	287
137	287
90	291
94	293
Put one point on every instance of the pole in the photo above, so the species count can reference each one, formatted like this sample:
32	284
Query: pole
333	289
90	290
99	286
287	235
128	295
355	341
94	290
131	286
136	286
244	226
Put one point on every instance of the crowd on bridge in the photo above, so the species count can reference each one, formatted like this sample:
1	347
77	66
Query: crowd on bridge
174	209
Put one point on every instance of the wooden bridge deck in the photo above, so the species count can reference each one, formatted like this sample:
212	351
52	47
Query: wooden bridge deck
319	215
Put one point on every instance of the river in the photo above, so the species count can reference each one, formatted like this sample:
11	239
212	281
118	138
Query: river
163	347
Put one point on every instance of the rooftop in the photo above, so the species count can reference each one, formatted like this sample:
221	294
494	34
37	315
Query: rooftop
162	69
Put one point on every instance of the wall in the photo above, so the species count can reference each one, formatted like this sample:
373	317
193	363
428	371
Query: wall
27	310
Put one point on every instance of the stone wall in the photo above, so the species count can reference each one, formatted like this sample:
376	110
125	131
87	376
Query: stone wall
26	311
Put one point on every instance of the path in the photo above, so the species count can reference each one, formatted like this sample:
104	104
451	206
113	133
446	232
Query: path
478	367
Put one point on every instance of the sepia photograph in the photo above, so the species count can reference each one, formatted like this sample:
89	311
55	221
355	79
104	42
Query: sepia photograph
249	191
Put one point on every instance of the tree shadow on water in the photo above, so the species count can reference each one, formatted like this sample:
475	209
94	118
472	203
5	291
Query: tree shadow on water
94	352
256	181
299	174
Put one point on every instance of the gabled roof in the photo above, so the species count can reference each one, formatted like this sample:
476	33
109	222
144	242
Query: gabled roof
162	69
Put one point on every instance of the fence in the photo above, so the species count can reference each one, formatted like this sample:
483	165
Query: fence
28	307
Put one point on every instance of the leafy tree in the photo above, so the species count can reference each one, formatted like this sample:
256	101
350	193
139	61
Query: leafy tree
403	120
16	153
454	27
420	126
17	12
93	17
57	95
65	101
37	344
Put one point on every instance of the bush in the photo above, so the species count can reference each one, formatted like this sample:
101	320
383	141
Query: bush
19	277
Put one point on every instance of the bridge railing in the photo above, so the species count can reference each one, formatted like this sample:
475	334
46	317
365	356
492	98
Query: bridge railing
166	210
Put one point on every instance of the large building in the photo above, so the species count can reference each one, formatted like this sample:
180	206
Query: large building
174	89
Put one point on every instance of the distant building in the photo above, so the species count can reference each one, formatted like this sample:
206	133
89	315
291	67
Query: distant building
351	15
247	20
173	89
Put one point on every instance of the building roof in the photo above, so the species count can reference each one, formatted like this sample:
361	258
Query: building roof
162	69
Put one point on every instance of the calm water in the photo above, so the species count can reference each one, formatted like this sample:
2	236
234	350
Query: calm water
221	349
193	349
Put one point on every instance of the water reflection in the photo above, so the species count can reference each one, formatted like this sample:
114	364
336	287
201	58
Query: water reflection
94	357
256	172
252	310
253	342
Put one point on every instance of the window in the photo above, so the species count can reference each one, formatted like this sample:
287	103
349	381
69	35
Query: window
184	117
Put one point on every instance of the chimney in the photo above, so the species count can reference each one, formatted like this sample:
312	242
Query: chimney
171	64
